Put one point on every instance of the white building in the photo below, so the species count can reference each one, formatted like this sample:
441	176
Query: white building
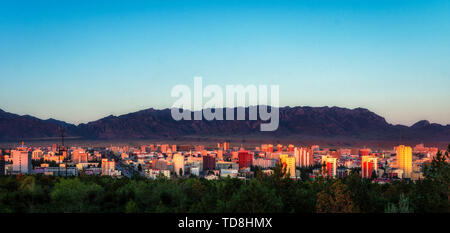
153	173
264	163
228	172
195	171
21	160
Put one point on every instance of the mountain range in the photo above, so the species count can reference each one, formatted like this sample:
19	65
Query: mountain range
317	122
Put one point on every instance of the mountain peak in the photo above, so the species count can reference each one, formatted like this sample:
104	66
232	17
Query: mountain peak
421	124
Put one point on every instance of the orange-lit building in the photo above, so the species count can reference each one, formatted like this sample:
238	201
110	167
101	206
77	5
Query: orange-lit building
108	167
329	166
364	152
226	146
369	164
290	148
270	148
79	156
303	157
279	147
174	148
220	154
37	154
420	148
54	158
404	160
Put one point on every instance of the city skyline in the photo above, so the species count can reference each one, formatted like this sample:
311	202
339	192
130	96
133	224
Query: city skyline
79	61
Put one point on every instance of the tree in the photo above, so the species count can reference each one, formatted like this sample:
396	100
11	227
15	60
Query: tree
72	195
279	171
432	193
373	175
131	207
28	183
335	200
304	172
439	168
255	197
402	207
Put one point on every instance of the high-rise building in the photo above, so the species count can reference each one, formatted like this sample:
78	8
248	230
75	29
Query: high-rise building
178	164
290	166
288	163
21	160
209	163
245	159
108	167
304	157
369	164
226	146
79	156
404	160
329	165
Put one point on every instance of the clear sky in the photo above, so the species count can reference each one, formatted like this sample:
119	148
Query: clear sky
78	61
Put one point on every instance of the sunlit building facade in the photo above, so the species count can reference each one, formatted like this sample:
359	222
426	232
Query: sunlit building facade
108	167
37	154
329	166
79	156
288	163
369	164
178	164
303	157
404	160
21	160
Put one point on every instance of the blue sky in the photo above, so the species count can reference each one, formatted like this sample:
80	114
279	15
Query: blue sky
78	61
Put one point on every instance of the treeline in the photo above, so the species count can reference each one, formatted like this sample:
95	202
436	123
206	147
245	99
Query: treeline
262	194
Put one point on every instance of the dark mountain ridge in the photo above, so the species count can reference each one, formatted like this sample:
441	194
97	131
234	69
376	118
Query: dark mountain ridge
318	122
